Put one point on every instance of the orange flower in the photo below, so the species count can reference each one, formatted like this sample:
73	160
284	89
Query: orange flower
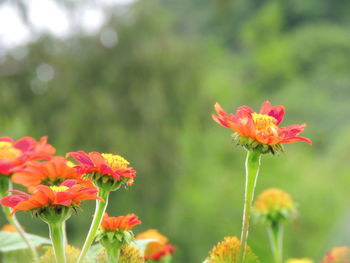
69	194
105	169
157	249
15	153
260	128
51	172
9	228
338	255
123	223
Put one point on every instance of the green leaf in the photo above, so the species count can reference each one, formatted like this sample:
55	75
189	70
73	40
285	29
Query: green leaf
93	252
11	241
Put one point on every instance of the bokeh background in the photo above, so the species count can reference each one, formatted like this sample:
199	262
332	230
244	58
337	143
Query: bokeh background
142	82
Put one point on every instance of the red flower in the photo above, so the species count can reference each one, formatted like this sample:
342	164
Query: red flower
69	193
15	153
51	172
105	164
122	223
338	255
156	249
262	127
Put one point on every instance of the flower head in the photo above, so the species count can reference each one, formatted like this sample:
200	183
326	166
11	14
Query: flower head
122	223
9	228
158	249
106	170
48	201
274	205
128	254
338	255
52	172
299	260
15	153
116	231
260	131
228	251
72	254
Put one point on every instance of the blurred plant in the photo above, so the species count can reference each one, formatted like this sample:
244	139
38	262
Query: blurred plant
108	172
257	133
128	254
54	206
14	154
115	233
338	255
72	255
299	260
274	208
229	251
158	249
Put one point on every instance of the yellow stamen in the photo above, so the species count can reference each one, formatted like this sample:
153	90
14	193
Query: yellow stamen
115	161
8	152
59	188
264	123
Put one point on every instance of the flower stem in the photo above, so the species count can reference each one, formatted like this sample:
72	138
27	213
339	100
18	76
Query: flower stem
252	166
99	211
57	239
113	255
275	232
6	185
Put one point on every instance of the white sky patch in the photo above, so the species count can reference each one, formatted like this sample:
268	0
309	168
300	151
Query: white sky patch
47	16
12	30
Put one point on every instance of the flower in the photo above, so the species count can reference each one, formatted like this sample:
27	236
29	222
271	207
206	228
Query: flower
51	172
299	260
274	205
338	255
104	169
260	131
128	254
15	153
228	251
68	194
9	228
116	231
156	249
123	223
72	254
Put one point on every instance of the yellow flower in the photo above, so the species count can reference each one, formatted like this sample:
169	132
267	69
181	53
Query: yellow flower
72	255
299	260
128	254
228	251
274	205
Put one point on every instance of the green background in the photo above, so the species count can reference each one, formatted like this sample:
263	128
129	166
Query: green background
150	99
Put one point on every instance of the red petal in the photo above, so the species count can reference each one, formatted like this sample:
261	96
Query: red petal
265	108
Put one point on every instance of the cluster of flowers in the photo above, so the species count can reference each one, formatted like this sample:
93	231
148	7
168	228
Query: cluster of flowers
57	186
260	133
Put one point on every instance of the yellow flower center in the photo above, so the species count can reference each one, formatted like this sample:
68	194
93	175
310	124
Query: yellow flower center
8	152
274	199
264	123
59	188
115	161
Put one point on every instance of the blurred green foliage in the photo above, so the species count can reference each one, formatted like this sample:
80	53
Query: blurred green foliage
150	99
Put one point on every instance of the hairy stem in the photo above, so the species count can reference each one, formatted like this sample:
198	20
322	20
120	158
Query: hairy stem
252	166
57	239
275	232
99	211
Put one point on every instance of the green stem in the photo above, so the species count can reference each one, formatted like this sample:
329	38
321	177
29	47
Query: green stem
99	212
57	239
275	232
252	166
113	255
6	185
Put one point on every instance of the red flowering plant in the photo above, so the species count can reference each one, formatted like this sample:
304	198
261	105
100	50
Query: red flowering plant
108	172
14	154
115	233
53	205
159	248
259	133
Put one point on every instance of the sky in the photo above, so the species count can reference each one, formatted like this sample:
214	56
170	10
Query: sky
50	17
